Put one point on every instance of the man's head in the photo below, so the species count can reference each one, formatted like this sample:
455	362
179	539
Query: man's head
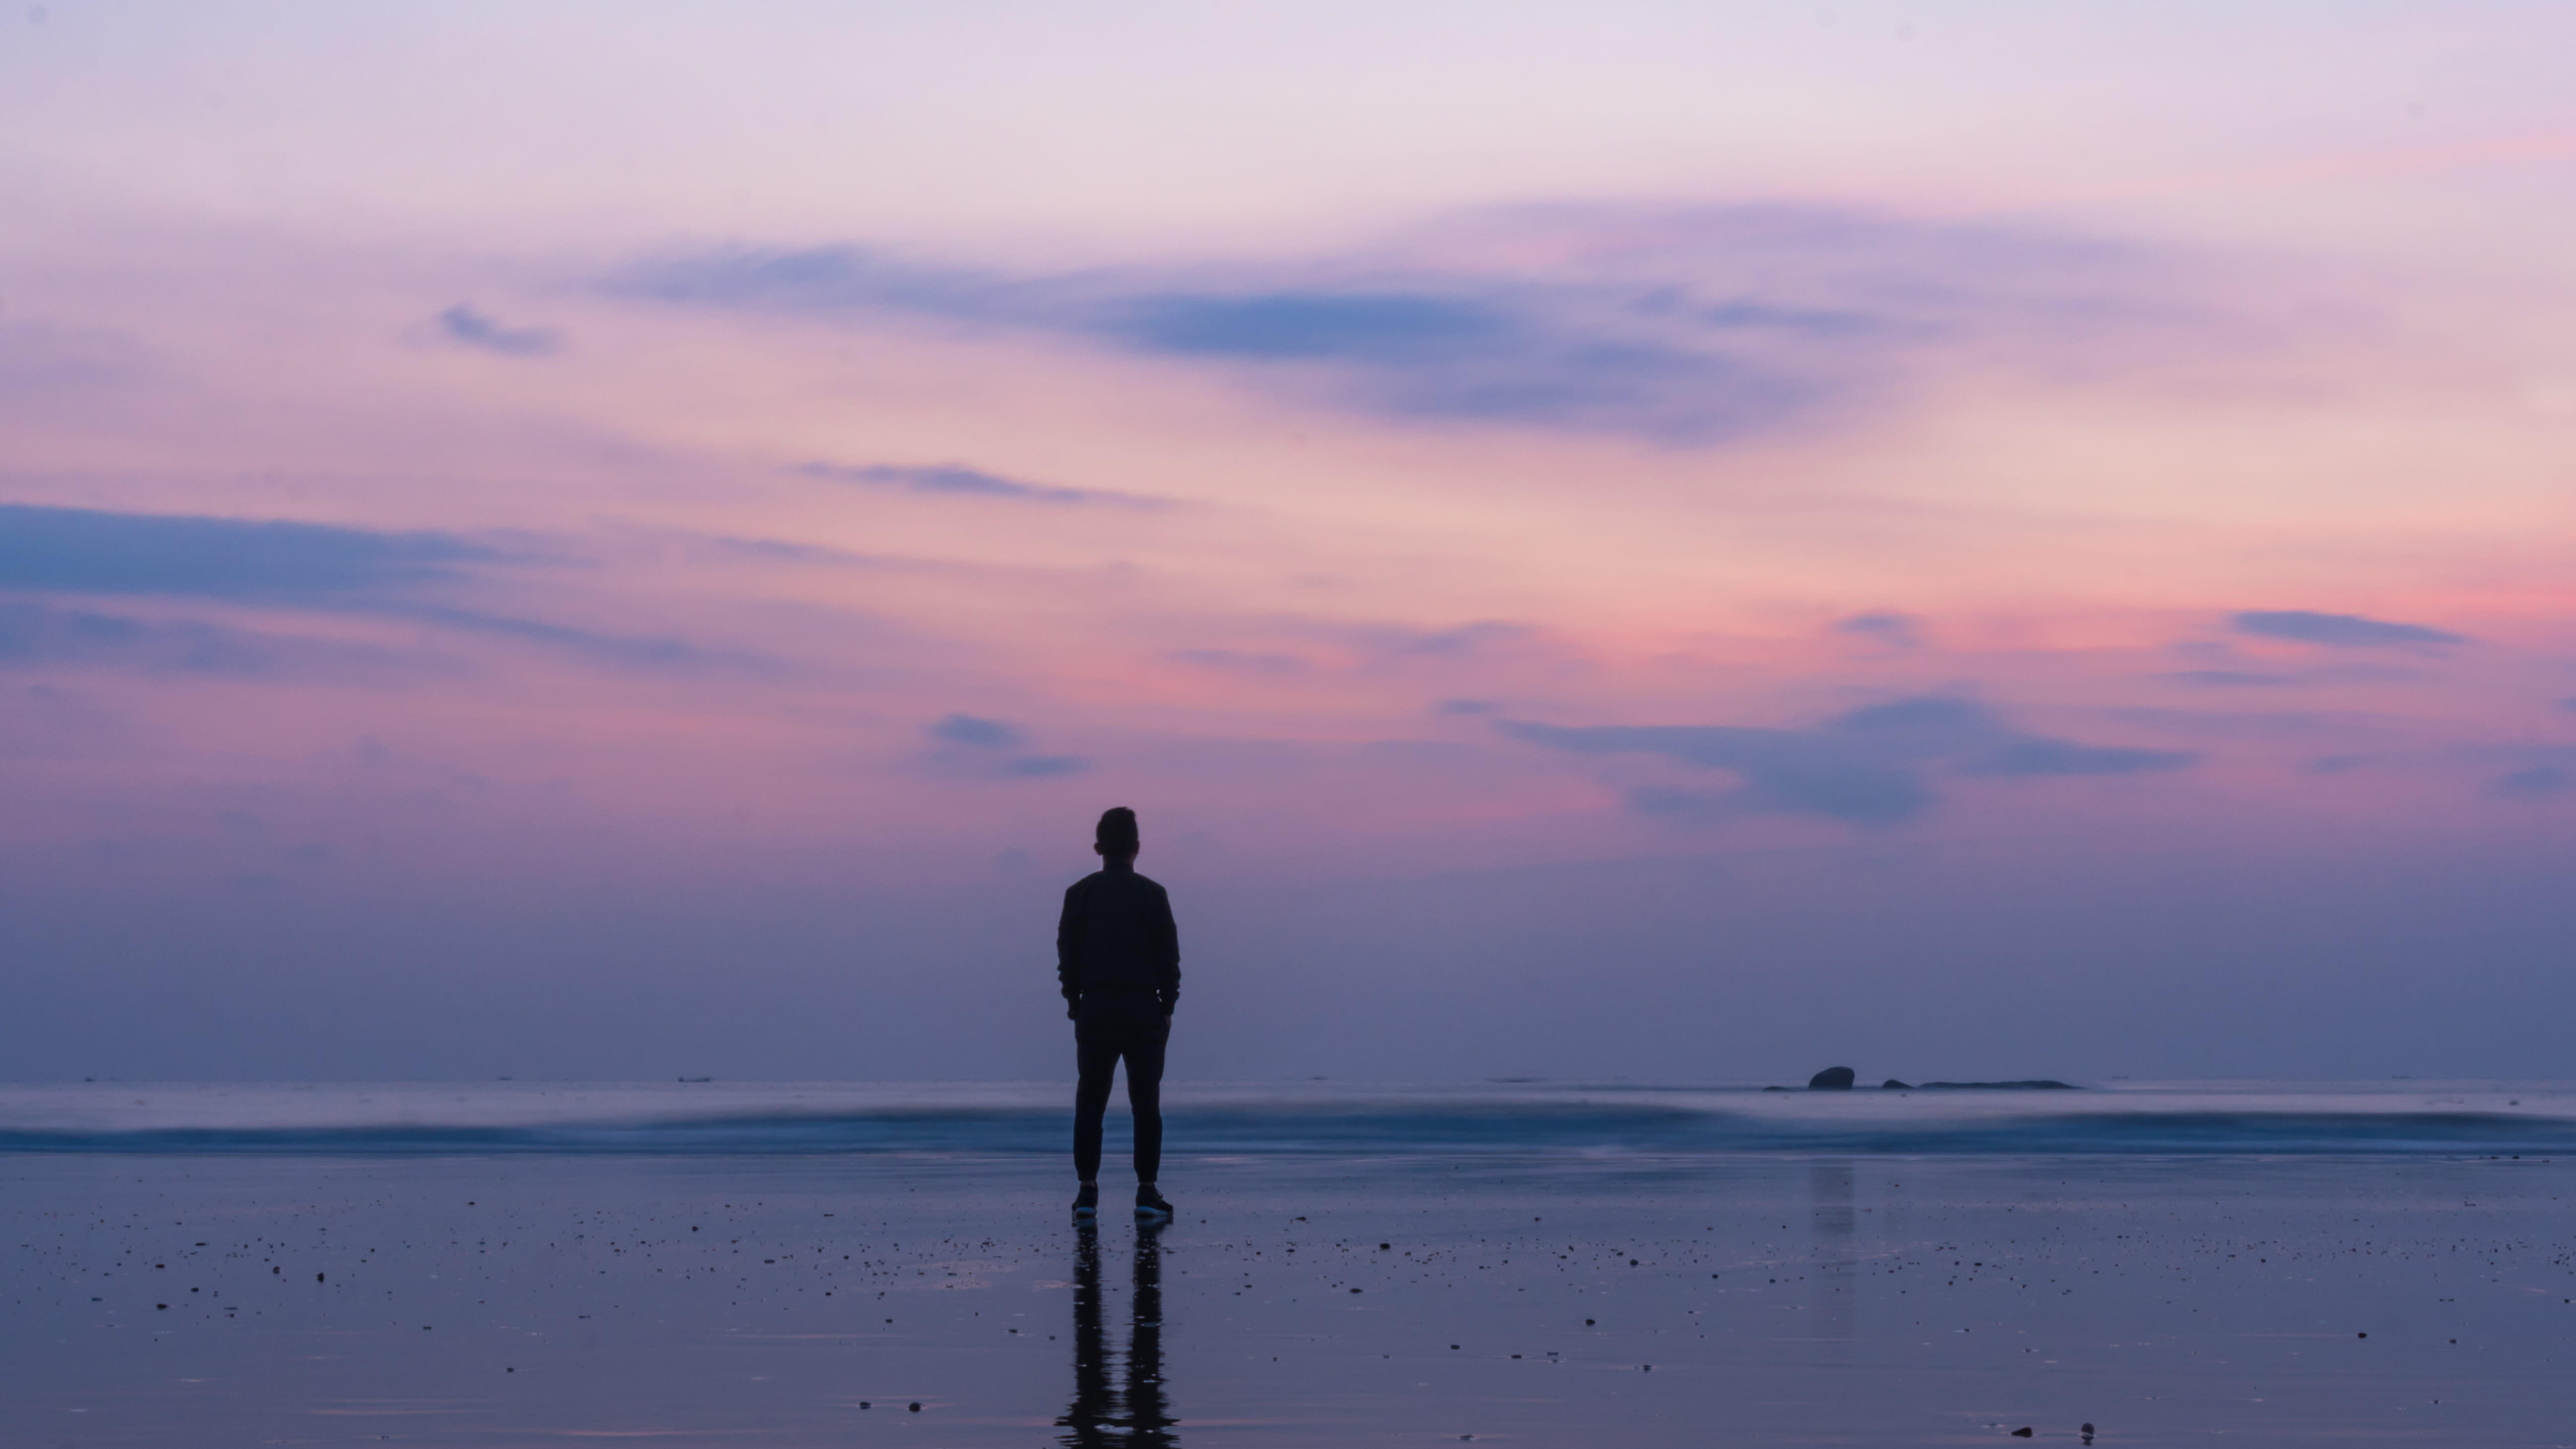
1115	836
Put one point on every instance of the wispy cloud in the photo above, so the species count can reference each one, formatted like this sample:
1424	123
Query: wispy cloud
2533	783
1868	766
629	651
1683	327
2302	727
989	749
958	480
463	324
279	564
39	636
1491	358
1308	326
1896	631
1457	642
2340	631
1281	646
977	733
78	550
2036	755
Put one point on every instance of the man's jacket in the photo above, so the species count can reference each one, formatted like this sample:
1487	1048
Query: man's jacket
1116	939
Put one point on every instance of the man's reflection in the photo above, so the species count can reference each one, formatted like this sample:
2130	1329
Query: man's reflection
1829	1182
1099	1413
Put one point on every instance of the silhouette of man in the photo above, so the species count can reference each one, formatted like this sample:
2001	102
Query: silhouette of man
1118	960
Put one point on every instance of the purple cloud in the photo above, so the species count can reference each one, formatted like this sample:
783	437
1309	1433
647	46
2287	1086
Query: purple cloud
1685	327
958	480
475	329
2338	631
1867	766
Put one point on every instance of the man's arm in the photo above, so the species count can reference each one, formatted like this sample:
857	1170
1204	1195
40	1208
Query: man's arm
1068	964
1167	952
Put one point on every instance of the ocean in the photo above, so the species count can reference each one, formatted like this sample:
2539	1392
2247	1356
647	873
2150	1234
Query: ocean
724	1264
2398	1117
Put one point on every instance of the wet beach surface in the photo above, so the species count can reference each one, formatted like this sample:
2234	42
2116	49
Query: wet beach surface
1298	1299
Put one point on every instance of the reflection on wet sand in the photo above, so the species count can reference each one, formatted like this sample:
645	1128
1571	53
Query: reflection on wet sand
1837	1297
1138	1413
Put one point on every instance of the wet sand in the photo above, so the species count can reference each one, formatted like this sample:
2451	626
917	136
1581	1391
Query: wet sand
1297	1300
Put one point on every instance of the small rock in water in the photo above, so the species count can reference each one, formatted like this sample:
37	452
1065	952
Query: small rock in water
916	1408
2022	1433
1832	1079
2088	1433
1893	1085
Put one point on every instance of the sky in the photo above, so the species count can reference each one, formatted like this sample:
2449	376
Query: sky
1675	542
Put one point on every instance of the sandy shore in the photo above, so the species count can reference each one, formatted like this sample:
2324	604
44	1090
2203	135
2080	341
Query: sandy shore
1298	1300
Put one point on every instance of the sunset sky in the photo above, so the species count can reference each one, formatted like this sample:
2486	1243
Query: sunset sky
1678	541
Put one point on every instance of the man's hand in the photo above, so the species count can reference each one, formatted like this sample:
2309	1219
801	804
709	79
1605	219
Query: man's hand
1073	1011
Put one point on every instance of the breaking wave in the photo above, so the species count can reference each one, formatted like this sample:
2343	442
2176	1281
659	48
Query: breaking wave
2484	1120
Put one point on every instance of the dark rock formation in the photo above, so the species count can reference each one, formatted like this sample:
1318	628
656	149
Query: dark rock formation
1893	1085
1832	1079
2039	1086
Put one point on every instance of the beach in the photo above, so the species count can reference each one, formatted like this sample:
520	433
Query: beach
314	1289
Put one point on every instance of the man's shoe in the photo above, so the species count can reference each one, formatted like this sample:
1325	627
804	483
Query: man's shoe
1087	1202
1150	1204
